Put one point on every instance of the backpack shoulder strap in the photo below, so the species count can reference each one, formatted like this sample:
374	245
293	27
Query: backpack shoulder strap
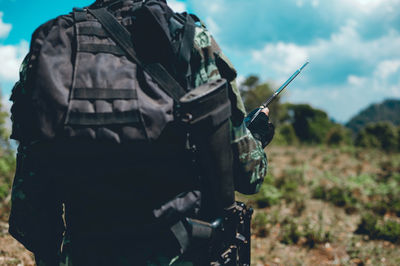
122	37
79	14
183	22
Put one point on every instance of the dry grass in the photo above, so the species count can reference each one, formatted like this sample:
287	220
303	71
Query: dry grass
298	227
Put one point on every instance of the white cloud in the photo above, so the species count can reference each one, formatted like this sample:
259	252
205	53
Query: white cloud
214	7
369	5
4	27
11	57
380	80
6	106
315	3
387	68
299	3
281	59
212	26
277	58
345	100
5	103
356	81
177	6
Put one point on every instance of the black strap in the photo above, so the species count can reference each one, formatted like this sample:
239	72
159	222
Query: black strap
104	94
100	48
92	31
123	38
181	234
102	119
187	40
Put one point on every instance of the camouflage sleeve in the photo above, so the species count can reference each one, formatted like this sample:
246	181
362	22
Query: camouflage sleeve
208	63
36	214
250	160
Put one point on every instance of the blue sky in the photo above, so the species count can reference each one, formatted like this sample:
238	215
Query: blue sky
353	45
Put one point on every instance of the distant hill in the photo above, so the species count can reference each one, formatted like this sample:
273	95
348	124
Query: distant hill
389	110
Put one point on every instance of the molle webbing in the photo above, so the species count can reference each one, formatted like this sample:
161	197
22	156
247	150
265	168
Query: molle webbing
121	36
104	94
100	48
100	119
92	31
80	14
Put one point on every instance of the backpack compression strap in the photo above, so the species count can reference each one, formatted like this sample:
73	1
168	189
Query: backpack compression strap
122	37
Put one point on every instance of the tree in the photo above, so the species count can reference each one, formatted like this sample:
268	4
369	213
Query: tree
338	135
311	125
254	93
382	135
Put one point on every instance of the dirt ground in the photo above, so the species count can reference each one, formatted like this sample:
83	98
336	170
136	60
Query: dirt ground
335	243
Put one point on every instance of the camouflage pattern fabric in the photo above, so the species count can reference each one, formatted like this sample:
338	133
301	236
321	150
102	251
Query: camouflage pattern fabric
34	206
250	158
206	54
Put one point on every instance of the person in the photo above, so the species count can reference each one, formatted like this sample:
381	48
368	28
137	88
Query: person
83	203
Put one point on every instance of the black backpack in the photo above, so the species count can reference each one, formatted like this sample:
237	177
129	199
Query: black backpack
103	85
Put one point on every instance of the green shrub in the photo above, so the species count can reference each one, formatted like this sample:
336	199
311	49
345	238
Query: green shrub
285	135
319	193
4	191
259	224
314	236
338	135
255	92
289	232
382	135
269	195
311	233
289	183
389	230
311	125
379	228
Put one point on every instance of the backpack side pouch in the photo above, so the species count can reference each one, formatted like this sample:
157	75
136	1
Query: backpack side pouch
206	111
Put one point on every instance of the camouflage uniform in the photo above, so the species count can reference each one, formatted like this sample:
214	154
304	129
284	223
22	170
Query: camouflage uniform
35	203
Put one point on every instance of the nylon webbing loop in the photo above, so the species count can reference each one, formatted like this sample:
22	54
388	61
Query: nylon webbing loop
92	31
122	37
104	94
100	48
181	234
102	119
80	14
187	39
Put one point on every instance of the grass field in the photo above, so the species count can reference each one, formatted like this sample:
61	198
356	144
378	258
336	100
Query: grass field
322	206
317	206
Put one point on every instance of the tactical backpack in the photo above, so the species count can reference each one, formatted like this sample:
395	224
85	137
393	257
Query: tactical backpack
105	86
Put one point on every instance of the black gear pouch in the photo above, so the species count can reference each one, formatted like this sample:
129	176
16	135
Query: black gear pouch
205	111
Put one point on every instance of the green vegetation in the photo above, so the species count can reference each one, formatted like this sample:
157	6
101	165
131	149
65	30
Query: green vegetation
305	233
268	195
378	228
338	136
259	224
382	135
339	203
387	111
379	193
374	127
7	165
255	93
324	201
295	123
